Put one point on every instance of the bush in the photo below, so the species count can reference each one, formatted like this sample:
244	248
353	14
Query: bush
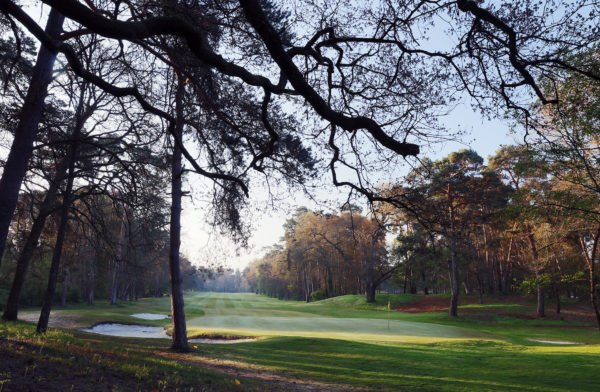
317	295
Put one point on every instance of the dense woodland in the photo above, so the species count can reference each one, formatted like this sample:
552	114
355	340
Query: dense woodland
108	107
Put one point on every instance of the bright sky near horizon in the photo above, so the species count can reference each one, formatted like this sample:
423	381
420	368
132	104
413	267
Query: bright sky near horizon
200	246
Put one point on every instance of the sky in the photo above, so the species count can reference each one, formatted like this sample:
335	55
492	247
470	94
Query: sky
202	246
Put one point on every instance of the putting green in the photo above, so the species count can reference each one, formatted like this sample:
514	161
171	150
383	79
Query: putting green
248	314
330	327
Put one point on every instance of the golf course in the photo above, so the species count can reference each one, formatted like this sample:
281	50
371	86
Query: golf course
341	343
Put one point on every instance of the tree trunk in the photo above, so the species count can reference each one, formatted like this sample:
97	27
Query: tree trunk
591	261
540	289
92	263
453	310
42	325
31	244
370	292
15	166
179	329
117	263
64	218
480	284
65	287
370	285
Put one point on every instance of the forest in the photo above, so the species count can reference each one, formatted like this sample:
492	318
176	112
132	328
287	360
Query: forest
120	117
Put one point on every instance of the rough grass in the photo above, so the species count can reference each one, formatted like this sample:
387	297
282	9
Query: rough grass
62	361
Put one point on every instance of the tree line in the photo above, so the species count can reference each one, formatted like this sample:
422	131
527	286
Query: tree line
519	225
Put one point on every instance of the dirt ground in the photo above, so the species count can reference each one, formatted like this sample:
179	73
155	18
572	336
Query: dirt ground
55	321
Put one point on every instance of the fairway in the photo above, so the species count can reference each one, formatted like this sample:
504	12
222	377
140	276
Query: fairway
260	316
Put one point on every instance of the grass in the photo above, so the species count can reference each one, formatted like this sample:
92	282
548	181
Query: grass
62	361
341	341
443	366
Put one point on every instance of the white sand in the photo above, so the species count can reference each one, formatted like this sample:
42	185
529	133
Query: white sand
150	316
129	331
553	341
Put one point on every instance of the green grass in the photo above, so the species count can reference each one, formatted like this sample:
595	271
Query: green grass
63	361
346	341
443	366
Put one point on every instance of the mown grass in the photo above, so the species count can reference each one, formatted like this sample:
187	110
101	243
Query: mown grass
345	341
473	365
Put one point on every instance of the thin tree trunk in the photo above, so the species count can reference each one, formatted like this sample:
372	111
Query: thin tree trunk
453	310
90	294
31	244
540	289
179	329
117	263
590	260
91	272
65	288
369	283
42	325
15	166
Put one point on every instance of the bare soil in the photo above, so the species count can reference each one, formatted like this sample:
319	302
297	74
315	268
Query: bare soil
65	321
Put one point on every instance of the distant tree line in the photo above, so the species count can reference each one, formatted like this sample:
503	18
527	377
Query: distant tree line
324	255
122	258
518	225
222	280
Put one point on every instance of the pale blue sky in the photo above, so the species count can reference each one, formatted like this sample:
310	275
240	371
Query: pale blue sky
482	135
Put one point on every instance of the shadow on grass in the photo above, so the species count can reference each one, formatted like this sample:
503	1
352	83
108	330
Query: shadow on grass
467	365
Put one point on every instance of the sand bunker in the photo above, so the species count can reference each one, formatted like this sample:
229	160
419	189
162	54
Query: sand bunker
150	316
221	341
128	331
146	331
552	341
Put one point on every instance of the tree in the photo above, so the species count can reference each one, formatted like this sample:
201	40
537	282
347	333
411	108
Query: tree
21	148
447	196
569	141
527	175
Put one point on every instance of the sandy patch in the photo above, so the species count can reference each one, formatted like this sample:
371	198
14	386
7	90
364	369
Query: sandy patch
128	331
150	316
57	320
552	341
